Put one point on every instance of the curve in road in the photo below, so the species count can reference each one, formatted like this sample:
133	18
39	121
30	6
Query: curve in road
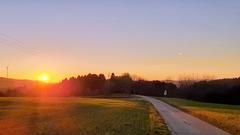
181	123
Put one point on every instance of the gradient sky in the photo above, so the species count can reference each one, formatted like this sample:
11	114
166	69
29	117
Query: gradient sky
149	38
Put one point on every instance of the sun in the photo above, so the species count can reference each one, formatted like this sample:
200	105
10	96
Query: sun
43	78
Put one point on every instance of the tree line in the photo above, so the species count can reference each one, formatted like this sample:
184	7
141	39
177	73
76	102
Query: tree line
93	85
225	91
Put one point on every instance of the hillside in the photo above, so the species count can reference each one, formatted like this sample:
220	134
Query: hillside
9	83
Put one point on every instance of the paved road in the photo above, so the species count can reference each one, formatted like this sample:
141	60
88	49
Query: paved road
181	123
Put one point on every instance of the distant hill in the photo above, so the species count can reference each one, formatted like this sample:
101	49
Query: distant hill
227	81
8	83
176	82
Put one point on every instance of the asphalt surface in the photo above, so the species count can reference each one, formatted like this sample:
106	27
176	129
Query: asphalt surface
181	123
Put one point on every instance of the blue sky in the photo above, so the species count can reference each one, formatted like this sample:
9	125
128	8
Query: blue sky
153	39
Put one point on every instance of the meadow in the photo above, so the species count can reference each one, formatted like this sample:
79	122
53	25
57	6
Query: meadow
79	116
226	117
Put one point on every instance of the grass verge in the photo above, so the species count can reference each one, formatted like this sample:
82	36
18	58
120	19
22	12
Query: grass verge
226	117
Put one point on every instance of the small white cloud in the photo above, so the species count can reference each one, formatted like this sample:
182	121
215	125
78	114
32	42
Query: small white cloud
180	53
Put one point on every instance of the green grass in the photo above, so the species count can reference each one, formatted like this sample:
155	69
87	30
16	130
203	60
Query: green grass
226	117
79	116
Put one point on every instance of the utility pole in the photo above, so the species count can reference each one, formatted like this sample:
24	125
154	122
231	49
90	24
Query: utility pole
7	71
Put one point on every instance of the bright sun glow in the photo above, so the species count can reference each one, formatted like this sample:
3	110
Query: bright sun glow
44	78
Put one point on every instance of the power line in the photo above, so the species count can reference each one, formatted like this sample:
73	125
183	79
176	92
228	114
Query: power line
8	40
18	45
20	50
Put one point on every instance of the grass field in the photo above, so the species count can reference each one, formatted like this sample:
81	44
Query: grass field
226	117
79	116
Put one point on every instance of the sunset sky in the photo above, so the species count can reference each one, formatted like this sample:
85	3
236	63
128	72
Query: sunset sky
152	39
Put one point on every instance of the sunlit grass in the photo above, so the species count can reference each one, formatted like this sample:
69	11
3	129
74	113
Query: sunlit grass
79	116
226	117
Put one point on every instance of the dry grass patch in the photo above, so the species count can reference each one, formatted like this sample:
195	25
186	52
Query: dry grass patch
78	116
158	126
226	117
